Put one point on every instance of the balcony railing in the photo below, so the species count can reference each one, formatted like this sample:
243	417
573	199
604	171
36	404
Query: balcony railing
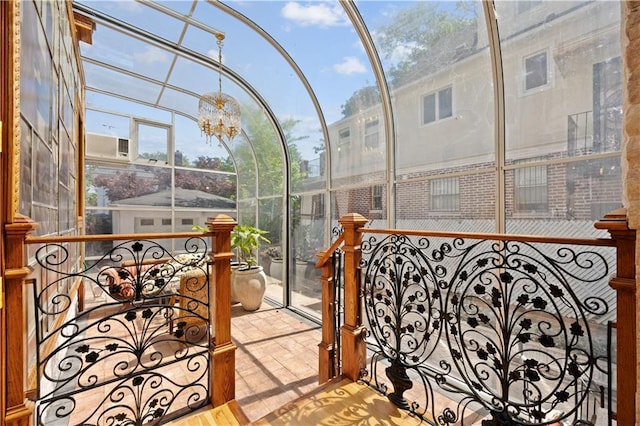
146	350
484	328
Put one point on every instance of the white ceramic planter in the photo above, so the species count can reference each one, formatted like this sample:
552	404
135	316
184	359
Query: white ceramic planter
250	285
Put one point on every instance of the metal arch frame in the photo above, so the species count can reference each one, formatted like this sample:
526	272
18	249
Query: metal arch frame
325	132
387	108
495	50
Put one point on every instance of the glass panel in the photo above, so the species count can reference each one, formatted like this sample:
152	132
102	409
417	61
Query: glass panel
98	222
563	92
152	143
563	199
111	103
436	58
193	151
138	57
128	185
205	189
107	124
120	84
140	16
464	203
308	223
270	219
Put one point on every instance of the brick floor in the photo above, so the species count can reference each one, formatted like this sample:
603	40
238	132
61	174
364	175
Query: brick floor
276	359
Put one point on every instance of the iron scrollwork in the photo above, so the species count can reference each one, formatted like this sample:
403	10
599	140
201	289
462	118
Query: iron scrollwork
154	319
496	326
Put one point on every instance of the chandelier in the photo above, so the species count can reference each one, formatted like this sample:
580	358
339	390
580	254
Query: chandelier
219	113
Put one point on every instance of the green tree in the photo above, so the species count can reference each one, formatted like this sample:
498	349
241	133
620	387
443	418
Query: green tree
361	99
268	155
432	35
426	36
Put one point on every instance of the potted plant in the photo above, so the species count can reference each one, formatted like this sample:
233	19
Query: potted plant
274	254
250	280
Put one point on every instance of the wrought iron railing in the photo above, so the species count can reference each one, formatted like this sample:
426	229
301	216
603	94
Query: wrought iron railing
497	327
144	349
488	329
122	353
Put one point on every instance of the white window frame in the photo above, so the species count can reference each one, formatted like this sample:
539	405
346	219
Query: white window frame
437	101
372	133
525	72
344	140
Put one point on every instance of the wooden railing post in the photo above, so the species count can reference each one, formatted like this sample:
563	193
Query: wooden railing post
326	352
19	409
624	283
223	361
353	345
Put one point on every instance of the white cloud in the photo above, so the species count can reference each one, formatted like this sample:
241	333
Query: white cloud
350	65
316	14
151	56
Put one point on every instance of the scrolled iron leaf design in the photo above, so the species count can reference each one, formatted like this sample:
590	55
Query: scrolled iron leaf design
131	331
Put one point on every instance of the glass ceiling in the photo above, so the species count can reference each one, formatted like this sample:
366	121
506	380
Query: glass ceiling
280	57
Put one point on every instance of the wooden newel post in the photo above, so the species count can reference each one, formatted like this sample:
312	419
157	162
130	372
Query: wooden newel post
327	347
19	409
353	345
624	283
223	361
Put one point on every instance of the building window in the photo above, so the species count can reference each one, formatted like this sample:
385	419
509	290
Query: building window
531	189
187	222
344	139
536	71
146	222
371	134
445	194
437	105
166	222
376	197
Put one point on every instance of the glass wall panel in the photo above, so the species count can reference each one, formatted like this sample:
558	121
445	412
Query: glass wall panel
459	203
440	79
563	93
115	105
245	160
199	188
308	224
191	149
108	124
270	218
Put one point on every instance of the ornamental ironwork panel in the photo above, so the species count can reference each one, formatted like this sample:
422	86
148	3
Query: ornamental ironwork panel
491	332
140	353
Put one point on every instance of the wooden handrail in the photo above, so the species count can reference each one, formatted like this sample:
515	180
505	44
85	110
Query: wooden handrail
602	242
329	252
111	237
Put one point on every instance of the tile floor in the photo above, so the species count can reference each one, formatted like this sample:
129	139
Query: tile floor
276	359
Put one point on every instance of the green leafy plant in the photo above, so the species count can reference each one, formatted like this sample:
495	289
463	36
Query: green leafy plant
246	240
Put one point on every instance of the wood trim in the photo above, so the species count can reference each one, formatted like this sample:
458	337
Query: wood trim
602	242
56	239
223	354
